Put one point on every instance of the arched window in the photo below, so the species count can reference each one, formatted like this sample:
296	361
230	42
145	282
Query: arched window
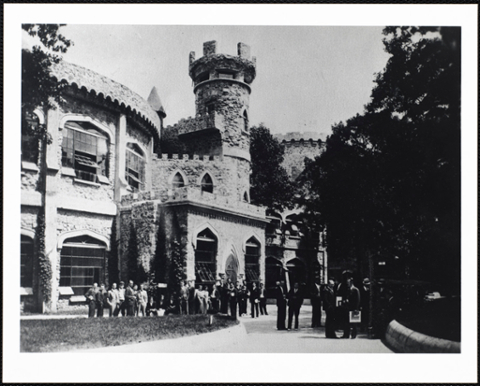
178	181
245	121
85	149
135	167
252	260
207	183
82	263
26	261
205	257
245	197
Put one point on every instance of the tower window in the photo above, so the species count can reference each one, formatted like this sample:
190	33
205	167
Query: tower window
85	149
245	121
226	75
210	108
178	181
207	183
135	167
203	77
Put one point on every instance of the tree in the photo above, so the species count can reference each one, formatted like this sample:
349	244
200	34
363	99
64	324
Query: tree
132	255
269	182
39	88
388	183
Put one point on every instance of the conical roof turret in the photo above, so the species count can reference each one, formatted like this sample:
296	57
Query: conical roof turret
155	102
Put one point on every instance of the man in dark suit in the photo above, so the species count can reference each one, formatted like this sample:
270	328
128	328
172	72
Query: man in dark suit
316	300
329	307
295	301
130	298
281	306
350	303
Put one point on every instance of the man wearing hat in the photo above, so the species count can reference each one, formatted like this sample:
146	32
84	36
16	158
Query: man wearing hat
350	302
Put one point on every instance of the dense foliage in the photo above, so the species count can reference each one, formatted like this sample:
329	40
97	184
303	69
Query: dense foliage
269	182
44	263
112	262
388	185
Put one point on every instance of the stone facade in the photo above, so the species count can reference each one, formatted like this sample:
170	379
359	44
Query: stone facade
297	147
209	203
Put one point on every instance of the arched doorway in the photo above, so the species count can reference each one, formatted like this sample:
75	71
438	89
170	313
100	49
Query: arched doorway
273	273
231	268
296	272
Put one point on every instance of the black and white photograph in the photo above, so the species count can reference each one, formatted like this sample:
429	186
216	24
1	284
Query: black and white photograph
201	180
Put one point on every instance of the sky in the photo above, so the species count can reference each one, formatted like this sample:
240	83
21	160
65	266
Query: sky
308	77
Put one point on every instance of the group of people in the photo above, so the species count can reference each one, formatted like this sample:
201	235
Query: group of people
130	301
223	297
343	305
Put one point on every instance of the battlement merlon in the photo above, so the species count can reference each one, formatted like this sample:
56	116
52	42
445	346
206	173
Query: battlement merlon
213	66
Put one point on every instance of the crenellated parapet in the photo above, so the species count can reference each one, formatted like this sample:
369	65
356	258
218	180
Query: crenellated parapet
196	196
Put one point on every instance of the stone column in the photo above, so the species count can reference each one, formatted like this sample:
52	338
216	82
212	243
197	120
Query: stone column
120	139
50	202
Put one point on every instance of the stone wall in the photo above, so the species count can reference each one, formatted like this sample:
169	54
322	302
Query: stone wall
68	221
230	100
297	151
231	176
28	217
232	233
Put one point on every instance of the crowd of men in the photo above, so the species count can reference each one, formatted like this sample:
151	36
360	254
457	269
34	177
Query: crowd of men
223	297
343	304
346	307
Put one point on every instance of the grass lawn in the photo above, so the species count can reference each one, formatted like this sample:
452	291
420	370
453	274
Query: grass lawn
438	318
69	334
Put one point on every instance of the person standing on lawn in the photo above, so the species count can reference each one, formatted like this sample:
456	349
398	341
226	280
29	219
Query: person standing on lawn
184	299
201	300
91	300
100	298
329	307
281	306
215	297
112	300
130	299
122	305
142	298
263	300
254	300
192	298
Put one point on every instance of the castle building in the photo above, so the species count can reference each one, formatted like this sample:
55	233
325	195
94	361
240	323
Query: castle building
109	193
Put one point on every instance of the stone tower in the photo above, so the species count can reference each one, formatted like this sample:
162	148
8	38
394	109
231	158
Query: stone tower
222	95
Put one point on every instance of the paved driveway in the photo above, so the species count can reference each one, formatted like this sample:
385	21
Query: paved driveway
259	335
